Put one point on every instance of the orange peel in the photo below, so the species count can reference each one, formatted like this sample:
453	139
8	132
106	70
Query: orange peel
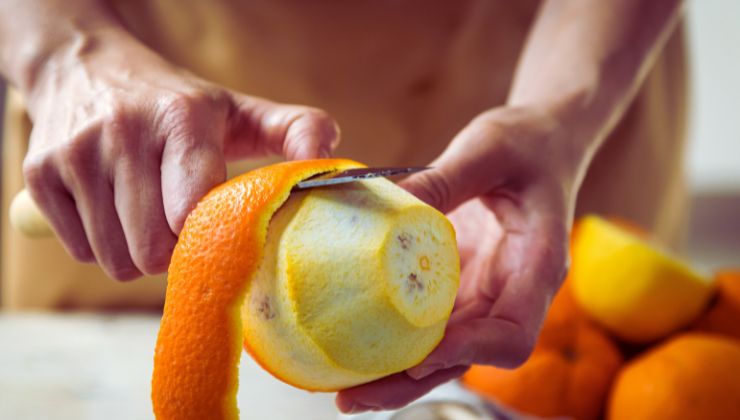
225	257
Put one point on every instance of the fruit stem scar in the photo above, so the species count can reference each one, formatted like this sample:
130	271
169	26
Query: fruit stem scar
405	240
570	354
424	262
265	309
414	283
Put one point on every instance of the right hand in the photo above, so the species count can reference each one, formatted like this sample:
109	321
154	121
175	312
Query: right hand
124	144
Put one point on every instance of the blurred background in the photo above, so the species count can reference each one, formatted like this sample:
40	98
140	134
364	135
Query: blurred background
714	148
712	166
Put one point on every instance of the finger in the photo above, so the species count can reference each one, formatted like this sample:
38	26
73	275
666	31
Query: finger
190	168
58	206
467	168
95	204
501	328
295	132
494	150
392	392
139	204
491	341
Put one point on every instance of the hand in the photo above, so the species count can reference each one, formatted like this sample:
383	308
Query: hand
124	144
507	181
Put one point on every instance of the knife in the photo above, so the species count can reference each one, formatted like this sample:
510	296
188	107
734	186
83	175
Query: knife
356	174
26	217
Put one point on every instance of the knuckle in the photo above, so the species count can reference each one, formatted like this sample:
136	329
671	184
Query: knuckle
123	271
120	114
184	115
178	111
437	189
153	259
192	102
523	350
81	253
36	169
124	135
179	105
116	261
78	152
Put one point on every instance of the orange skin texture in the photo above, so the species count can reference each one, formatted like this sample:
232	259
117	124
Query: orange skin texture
723	317
219	249
568	374
691	376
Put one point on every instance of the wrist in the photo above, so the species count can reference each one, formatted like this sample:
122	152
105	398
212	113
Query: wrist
579	123
89	59
49	61
34	34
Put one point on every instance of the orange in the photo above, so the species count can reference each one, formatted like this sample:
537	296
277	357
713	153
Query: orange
723	316
691	376
356	283
326	289
200	340
568	374
632	287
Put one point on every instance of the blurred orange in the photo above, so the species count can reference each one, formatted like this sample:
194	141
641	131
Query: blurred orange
724	315
634	288
568	374
691	376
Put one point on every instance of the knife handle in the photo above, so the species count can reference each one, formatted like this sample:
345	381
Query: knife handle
26	217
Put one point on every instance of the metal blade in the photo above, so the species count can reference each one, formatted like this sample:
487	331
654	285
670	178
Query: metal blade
352	175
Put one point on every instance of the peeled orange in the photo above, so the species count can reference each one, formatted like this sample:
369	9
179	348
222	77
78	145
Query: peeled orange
326	289
637	291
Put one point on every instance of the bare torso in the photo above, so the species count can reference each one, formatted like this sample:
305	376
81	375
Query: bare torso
400	77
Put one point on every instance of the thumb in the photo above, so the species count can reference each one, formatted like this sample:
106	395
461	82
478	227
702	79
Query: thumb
490	341
467	168
292	131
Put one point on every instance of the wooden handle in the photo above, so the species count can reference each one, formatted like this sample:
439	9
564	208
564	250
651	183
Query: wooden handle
26	217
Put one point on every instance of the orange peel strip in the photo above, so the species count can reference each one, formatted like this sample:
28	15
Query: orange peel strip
199	345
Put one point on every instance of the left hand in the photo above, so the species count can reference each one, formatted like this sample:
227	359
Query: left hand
507	182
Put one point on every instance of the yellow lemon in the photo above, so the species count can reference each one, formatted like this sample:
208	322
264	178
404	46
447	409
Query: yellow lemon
636	290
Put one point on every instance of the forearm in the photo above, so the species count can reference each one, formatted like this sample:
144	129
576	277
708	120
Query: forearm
33	32
584	62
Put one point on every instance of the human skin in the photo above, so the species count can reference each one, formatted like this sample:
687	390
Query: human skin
124	143
508	180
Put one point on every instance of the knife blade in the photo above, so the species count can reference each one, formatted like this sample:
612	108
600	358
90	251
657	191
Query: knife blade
356	174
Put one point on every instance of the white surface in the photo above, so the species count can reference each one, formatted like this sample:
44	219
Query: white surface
714	149
90	367
79	367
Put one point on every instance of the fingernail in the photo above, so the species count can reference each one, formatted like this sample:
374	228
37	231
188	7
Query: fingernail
422	371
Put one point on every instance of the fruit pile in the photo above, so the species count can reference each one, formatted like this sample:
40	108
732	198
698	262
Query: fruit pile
633	334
